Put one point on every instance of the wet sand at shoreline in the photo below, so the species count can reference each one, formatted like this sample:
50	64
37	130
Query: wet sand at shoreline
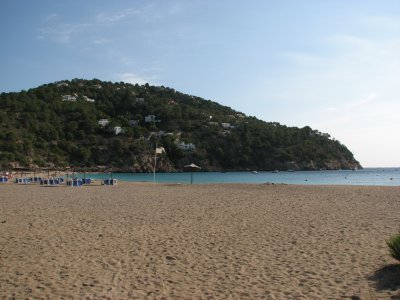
223	241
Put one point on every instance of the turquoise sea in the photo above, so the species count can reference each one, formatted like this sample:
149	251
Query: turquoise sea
367	176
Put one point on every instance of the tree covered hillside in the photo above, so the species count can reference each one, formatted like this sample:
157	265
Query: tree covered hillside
96	124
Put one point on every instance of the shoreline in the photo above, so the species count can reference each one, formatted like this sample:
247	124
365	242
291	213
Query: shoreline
366	177
81	171
121	182
96	183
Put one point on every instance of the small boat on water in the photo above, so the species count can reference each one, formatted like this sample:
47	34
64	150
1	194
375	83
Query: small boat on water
254	172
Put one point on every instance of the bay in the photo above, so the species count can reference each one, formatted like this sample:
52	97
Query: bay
367	176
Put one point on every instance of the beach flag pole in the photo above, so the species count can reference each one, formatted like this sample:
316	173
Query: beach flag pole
158	151
155	163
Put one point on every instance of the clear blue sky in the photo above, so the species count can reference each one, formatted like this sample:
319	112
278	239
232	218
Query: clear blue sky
332	65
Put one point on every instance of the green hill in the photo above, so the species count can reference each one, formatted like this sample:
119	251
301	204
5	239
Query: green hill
57	125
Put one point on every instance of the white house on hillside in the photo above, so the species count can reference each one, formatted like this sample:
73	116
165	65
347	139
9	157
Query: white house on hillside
160	134
62	83
184	146
150	118
68	98
117	130
133	122
103	122
88	99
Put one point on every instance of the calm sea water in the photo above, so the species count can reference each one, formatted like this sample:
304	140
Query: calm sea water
368	176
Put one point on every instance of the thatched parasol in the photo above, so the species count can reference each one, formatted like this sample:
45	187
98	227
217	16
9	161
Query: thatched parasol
192	167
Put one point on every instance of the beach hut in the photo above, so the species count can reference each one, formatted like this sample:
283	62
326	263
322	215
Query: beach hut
192	167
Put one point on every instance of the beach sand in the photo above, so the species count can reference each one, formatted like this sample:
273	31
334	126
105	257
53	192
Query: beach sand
159	241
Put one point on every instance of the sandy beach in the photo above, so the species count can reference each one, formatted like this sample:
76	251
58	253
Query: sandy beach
159	241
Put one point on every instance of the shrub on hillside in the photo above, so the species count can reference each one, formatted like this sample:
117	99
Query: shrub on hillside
394	246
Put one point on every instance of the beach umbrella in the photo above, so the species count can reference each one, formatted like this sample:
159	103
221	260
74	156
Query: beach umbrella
192	167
